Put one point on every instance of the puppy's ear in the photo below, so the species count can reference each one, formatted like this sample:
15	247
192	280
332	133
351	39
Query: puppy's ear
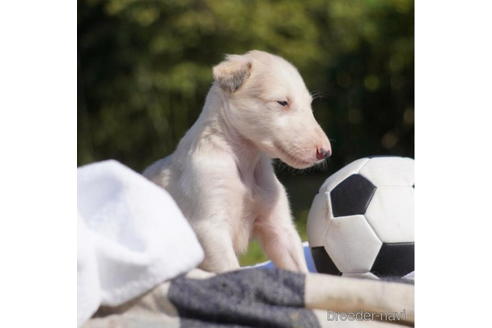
232	72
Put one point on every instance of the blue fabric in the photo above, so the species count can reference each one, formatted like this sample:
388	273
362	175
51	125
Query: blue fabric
307	256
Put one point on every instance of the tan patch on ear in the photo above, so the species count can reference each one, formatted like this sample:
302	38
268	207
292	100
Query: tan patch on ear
232	73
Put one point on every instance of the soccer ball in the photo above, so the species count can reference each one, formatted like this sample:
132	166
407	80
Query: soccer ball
361	221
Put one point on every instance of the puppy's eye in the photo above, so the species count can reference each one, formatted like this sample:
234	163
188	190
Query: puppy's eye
282	103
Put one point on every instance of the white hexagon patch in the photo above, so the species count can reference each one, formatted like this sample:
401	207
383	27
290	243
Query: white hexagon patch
352	244
391	212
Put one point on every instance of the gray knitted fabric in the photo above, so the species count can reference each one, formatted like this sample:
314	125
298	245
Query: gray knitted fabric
244	298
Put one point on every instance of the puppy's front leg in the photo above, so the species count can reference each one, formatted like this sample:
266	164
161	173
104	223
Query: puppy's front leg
218	248
279	238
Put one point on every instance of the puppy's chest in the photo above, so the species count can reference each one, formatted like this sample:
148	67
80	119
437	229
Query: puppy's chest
256	200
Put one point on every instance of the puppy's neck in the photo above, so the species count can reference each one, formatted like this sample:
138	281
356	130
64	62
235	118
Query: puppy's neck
214	119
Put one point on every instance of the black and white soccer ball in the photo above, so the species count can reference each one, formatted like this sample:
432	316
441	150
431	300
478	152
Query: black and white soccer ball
361	222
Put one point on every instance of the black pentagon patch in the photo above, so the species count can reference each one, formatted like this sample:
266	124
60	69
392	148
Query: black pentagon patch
352	196
394	260
323	262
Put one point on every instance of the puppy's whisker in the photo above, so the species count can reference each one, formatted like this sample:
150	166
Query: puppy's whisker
316	94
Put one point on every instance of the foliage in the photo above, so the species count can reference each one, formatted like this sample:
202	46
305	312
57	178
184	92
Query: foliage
145	68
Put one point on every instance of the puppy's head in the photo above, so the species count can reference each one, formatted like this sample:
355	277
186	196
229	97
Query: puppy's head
269	104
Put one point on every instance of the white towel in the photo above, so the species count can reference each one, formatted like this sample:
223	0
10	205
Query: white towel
131	236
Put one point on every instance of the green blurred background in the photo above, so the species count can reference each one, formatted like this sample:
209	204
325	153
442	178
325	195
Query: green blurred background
144	68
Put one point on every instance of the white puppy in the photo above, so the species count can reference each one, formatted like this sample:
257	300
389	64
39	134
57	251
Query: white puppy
221	175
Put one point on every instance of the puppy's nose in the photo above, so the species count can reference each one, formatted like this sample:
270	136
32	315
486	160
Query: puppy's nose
322	153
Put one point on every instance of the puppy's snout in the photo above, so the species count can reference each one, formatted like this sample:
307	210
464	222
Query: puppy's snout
322	153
